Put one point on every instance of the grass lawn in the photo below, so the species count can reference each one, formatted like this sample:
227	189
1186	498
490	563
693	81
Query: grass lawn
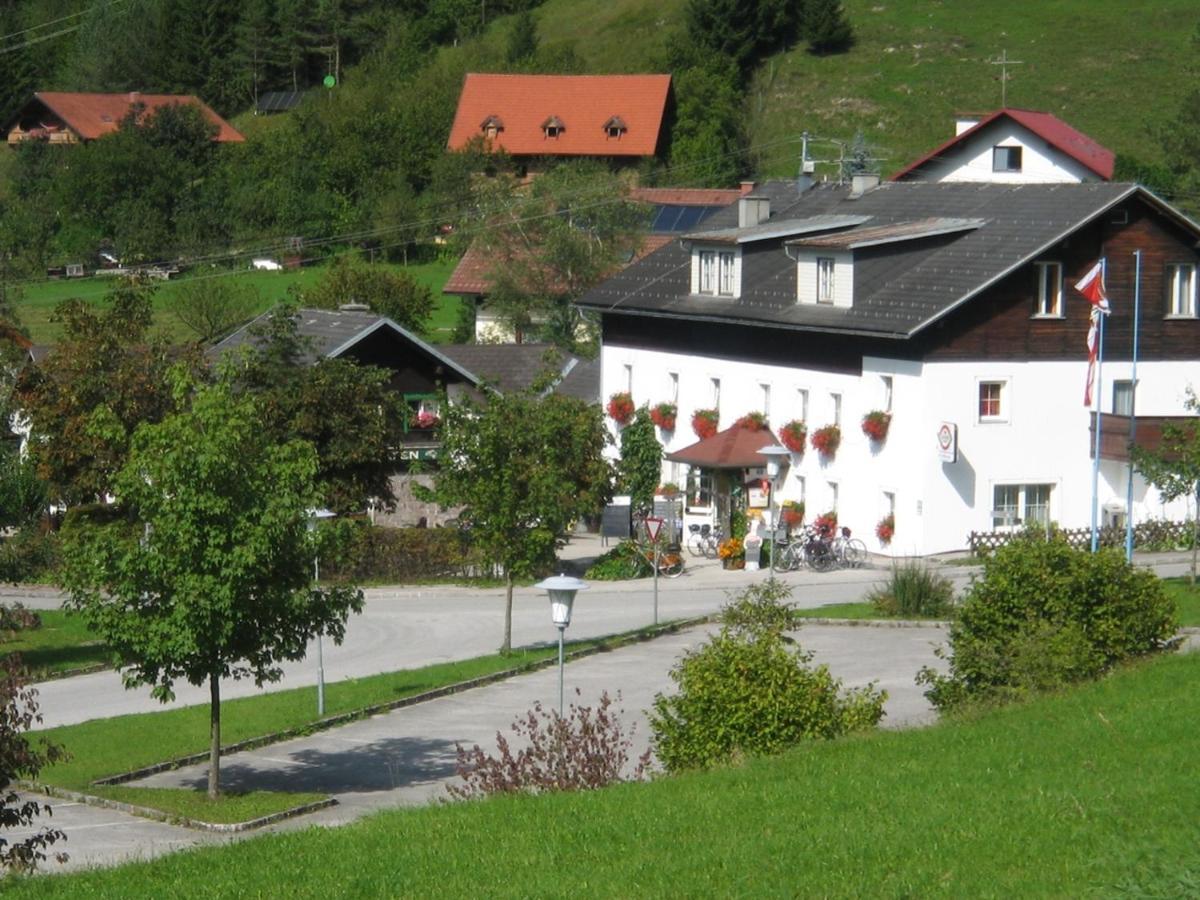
1085	793
105	747
1187	598
62	643
41	297
839	611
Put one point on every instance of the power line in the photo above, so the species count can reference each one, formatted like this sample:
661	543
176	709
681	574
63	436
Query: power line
46	37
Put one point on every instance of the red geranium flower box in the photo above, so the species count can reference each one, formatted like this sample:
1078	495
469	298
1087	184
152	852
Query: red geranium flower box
620	407
704	423
826	440
793	435
875	424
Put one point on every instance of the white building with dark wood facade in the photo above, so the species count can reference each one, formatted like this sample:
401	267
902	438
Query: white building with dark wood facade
941	304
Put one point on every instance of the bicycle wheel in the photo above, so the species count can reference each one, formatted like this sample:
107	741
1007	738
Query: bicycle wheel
696	544
856	553
671	564
820	557
791	558
711	545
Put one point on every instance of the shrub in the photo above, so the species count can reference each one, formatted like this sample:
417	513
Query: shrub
914	590
1045	615
29	555
358	551
584	750
618	563
746	691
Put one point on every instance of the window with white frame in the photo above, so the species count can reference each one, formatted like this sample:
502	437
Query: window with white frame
726	285
766	399
801	488
673	386
1049	301
836	401
993	405
802	402
708	272
1122	404
699	489
716	393
628	372
889	503
1181	282
833	496
716	273
825	279
1006	159
1016	505
886	385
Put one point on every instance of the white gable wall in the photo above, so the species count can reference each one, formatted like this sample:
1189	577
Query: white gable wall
971	160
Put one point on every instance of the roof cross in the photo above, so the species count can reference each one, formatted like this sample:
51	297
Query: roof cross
1004	62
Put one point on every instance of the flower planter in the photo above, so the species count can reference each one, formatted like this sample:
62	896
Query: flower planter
752	421
663	415
826	440
886	529
704	423
621	408
875	425
794	435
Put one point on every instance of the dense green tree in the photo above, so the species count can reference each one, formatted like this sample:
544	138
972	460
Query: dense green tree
640	467
522	467
1174	466
825	26
708	137
105	377
522	39
212	307
206	575
744	34
387	291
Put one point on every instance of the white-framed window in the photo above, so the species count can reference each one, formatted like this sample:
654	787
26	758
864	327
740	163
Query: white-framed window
716	392
628	373
1122	394
889	503
835	400
1049	300
673	386
801	488
1017	505
716	273
699	489
993	401
802	403
825	279
1006	159
766	399
833	495
886	385
1181	283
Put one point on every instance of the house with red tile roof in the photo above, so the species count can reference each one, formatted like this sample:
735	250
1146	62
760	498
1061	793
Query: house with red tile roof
1013	146
618	117
70	118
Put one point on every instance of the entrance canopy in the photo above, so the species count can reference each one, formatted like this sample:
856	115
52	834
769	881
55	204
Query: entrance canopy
734	448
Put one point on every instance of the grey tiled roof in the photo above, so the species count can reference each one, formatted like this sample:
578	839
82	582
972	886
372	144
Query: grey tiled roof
582	381
894	294
507	367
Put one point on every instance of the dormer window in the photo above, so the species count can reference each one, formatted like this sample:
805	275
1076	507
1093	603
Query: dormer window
615	127
825	277
1006	159
825	269
553	127
715	272
491	127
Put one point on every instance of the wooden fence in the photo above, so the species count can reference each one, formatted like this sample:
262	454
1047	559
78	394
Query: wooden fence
1152	535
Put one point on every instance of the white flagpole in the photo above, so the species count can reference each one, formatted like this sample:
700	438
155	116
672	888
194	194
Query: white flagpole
1137	302
1098	388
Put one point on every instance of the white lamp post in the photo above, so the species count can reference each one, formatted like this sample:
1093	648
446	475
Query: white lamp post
562	590
314	515
777	457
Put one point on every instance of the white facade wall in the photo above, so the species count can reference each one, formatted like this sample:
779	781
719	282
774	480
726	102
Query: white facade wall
1043	436
972	159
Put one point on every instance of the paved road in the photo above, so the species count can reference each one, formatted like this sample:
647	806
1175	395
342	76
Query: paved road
407	757
404	628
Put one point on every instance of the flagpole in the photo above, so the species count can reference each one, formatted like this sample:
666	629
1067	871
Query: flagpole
1096	400
1137	302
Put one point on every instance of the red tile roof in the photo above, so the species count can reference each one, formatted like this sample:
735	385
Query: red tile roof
734	448
93	115
470	276
1049	128
582	103
688	196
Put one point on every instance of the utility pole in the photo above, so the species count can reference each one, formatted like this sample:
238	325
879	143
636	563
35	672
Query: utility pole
1004	62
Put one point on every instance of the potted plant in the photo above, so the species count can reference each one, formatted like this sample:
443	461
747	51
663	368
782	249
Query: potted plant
826	440
427	419
886	529
826	523
663	415
732	553
670	490
791	513
704	423
752	421
875	424
620	407
793	435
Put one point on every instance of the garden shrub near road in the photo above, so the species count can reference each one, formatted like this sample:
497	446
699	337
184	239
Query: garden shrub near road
748	691
1044	615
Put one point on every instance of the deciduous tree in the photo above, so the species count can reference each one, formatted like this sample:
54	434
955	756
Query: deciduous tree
522	467
387	291
641	461
1174	466
203	571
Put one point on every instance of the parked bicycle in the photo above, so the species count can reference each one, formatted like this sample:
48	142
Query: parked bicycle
851	553
669	560
704	540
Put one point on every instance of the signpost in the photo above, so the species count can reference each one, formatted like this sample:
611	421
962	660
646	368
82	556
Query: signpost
653	526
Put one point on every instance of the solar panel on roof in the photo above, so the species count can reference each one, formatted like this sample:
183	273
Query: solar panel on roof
279	101
670	218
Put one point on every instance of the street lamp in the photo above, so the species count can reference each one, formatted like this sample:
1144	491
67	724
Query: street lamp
777	457
315	515
562	590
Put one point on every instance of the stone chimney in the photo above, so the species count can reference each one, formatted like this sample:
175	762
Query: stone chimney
753	209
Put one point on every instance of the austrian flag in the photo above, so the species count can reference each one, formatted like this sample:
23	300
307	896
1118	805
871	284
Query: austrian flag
1091	286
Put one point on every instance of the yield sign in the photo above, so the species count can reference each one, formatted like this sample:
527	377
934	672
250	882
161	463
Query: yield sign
653	526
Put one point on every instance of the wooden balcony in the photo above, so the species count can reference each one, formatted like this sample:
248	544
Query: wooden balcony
1114	434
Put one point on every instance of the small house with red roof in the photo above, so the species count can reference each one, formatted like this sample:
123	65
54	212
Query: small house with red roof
1013	146
70	118
617	117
